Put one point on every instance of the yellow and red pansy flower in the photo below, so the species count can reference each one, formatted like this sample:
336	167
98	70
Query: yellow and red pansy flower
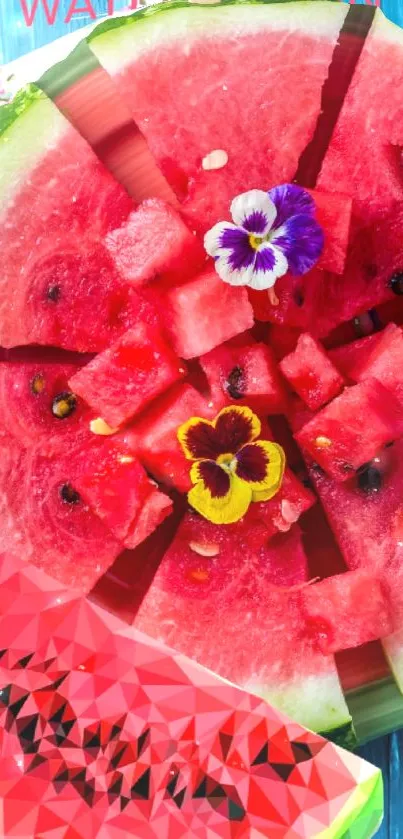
231	467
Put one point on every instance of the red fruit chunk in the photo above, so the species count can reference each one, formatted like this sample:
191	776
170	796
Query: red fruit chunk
311	373
346	358
37	406
205	312
122	380
154	438
350	430
346	610
116	487
245	375
154	240
44	519
384	361
333	212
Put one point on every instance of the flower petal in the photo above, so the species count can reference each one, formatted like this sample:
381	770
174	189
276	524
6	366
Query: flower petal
213	237
261	465
291	200
270	264
214	477
219	509
235	426
231	276
254	208
301	240
197	438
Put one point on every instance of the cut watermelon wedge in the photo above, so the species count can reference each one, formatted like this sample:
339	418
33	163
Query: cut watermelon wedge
216	598
141	54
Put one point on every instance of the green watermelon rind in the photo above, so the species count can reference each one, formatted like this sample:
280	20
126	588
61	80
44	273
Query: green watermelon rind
343	735
24	99
362	813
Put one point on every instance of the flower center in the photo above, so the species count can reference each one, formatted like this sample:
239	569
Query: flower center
227	462
256	241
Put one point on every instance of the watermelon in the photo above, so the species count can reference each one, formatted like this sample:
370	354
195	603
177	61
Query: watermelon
346	610
210	598
311	373
333	213
203	295
338	439
383	361
245	374
122	380
348	356
154	436
155	242
37	405
59	283
141	54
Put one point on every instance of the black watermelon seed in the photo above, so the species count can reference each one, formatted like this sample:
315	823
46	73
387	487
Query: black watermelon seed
299	298
69	495
396	282
37	384
371	270
369	479
64	404
235	384
53	293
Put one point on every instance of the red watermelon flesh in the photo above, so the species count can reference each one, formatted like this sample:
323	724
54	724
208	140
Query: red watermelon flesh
122	380
116	488
384	361
337	437
346	610
155	241
311	373
245	374
204	312
154	436
229	101
372	179
346	357
59	285
37	405
333	213
65	538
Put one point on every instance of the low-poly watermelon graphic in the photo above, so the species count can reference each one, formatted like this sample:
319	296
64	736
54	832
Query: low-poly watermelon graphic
218	99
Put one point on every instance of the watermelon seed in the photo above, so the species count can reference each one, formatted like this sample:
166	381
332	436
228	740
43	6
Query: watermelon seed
235	384
206	549
37	384
298	297
69	495
369	478
396	282
53	293
371	270
64	404
322	442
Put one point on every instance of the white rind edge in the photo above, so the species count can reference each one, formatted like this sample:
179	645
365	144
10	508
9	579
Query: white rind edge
120	46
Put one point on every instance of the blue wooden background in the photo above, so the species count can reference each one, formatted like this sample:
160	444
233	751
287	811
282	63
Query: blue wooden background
16	38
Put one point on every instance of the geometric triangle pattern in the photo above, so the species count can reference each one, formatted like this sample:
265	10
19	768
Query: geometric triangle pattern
106	734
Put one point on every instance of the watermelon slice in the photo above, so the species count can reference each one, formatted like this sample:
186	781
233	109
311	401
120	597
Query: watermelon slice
141	53
122	380
311	373
202	296
154	241
245	374
59	284
338	439
37	405
210	598
163	734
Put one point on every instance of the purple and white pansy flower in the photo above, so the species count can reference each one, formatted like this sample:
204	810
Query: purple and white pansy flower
271	233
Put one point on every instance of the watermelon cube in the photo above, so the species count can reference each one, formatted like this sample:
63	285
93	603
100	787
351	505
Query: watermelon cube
267	518
155	241
245	374
346	610
333	212
384	361
311	373
349	431
347	357
154	437
115	486
122	380
205	312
